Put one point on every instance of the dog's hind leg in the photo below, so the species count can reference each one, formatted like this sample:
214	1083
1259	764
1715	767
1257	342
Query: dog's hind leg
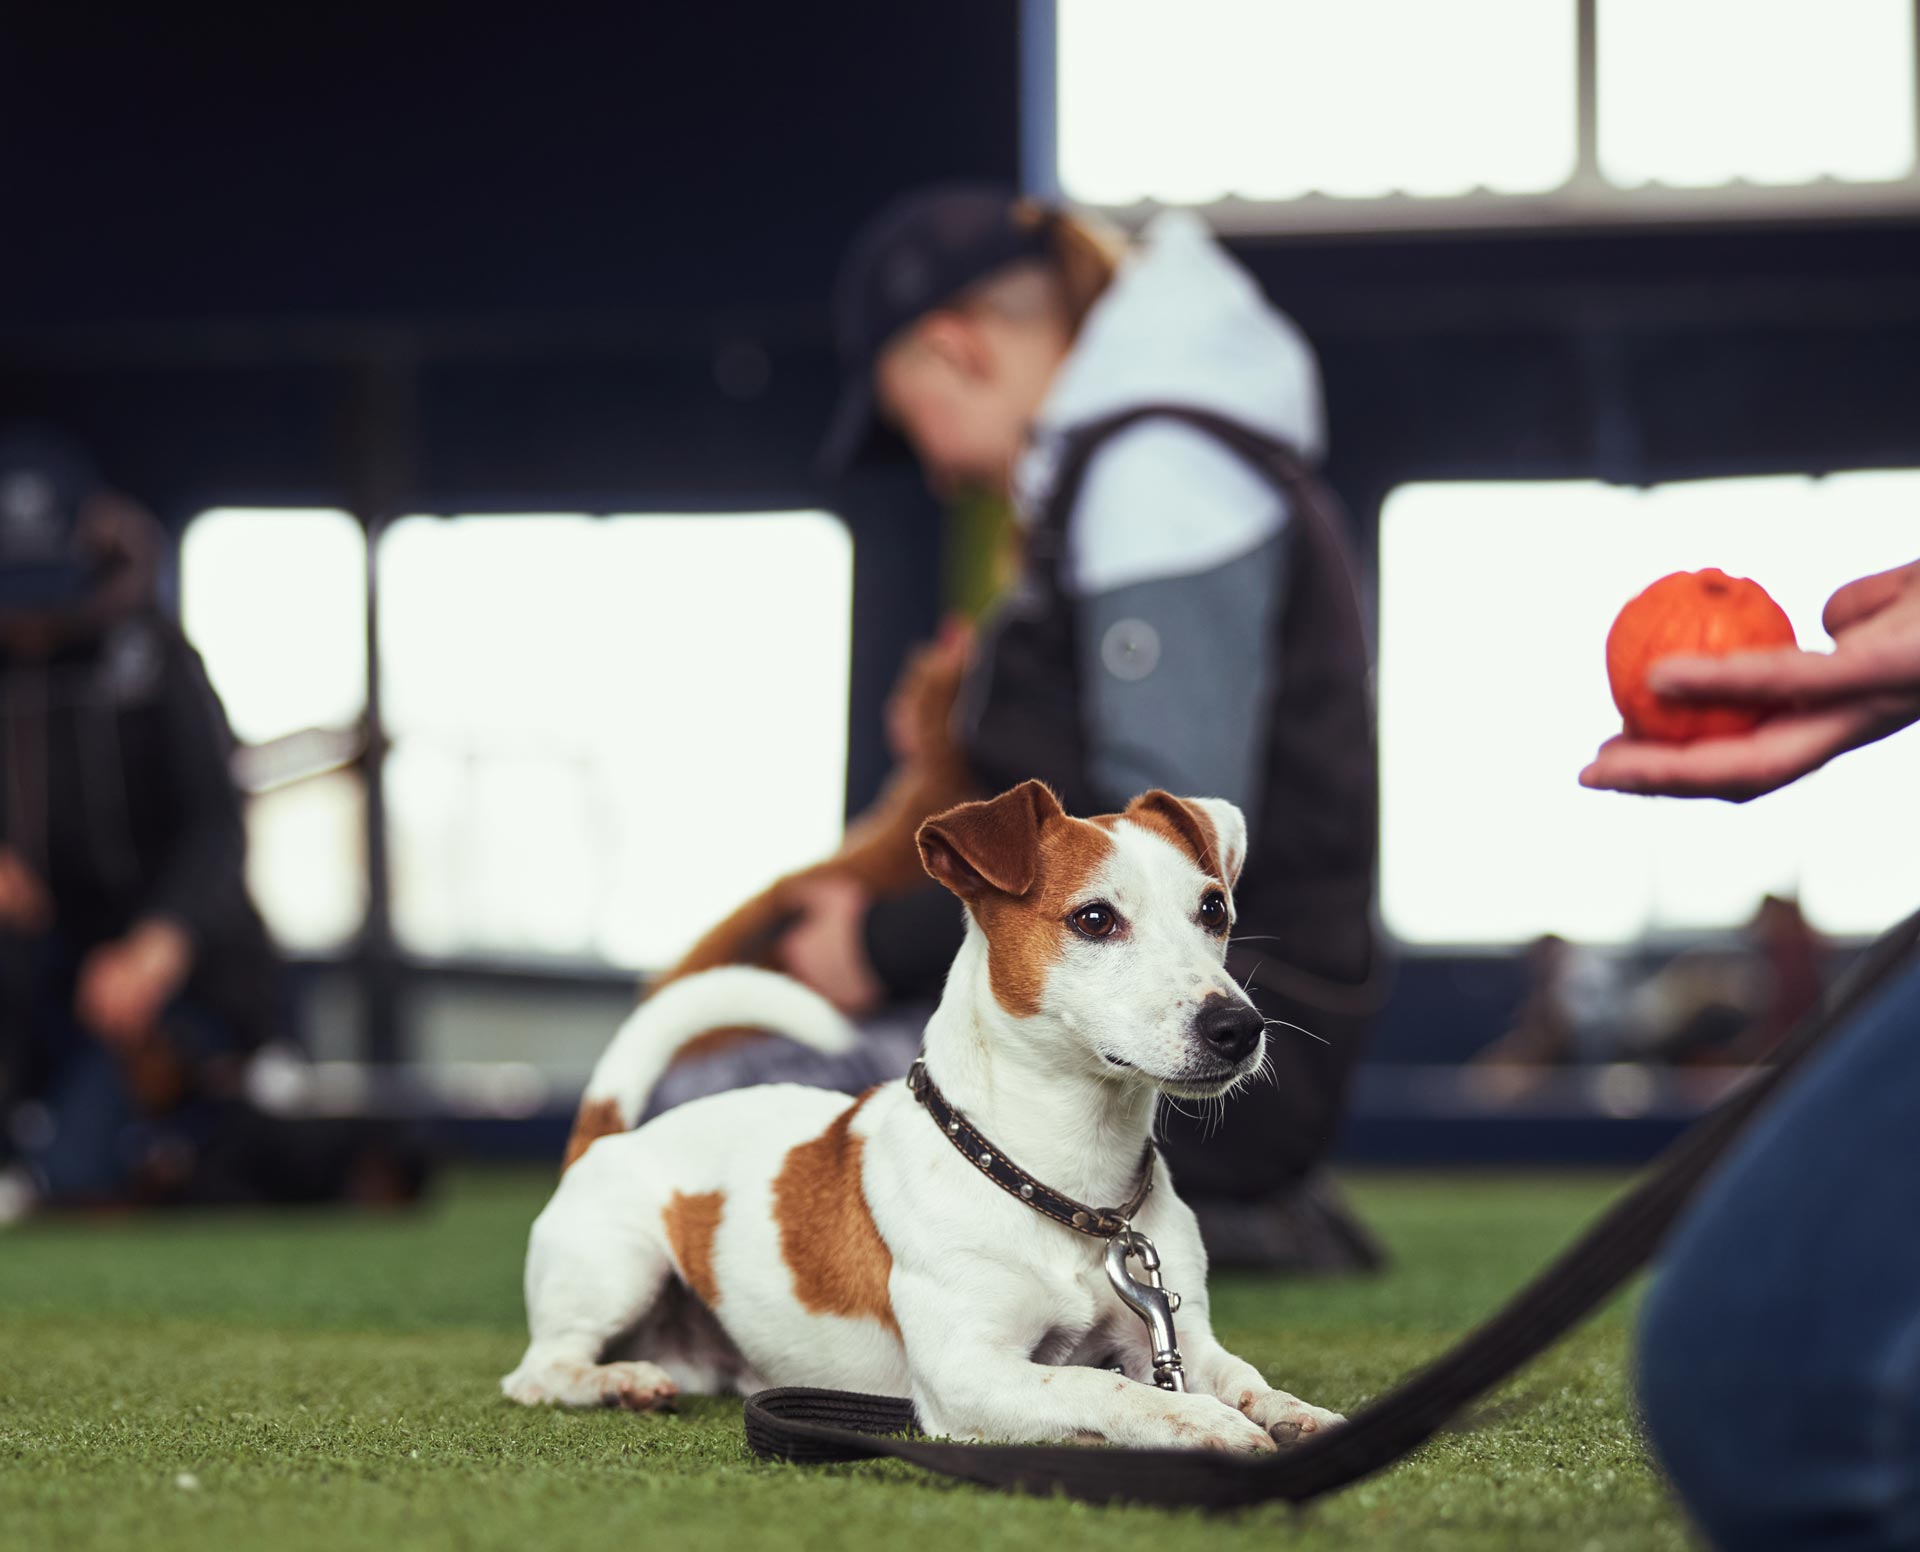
596	1269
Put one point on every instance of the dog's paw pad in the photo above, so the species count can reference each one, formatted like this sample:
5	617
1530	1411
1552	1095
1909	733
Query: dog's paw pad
1229	1434
636	1387
1238	1441
1287	1419
518	1387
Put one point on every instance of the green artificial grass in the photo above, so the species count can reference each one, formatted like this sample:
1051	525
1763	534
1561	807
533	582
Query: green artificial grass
211	1382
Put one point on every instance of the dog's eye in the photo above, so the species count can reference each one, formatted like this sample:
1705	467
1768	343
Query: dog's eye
1098	920
1213	911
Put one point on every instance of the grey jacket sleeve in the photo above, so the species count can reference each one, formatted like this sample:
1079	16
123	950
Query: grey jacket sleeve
1178	676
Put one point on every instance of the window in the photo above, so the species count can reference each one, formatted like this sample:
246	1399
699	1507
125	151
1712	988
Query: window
1494	607
1275	99
607	732
1294	114
1704	93
275	601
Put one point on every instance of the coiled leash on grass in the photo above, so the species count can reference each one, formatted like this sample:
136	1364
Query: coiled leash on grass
814	1427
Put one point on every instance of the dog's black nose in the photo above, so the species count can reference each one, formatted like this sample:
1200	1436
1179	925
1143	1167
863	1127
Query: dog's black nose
1231	1028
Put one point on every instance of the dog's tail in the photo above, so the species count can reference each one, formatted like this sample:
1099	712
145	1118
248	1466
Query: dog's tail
734	997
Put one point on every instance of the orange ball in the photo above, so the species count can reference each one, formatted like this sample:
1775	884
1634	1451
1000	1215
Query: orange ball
1690	614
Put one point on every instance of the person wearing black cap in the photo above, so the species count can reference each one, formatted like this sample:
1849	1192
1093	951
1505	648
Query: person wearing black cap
134	970
1186	617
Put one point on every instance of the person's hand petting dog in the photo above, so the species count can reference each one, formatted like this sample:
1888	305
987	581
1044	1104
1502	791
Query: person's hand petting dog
126	984
1866	688
826	949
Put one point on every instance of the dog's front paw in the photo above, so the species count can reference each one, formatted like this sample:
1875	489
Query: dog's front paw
1203	1423
1286	1419
638	1387
635	1387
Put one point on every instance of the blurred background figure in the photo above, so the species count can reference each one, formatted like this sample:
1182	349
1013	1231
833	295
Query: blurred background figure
136	977
1731	1004
1184	616
1719	1004
1574	1008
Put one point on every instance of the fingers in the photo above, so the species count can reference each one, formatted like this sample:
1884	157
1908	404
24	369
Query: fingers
955	639
1868	596
1785	676
1735	769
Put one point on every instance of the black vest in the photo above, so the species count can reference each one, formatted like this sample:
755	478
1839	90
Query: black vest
1308	881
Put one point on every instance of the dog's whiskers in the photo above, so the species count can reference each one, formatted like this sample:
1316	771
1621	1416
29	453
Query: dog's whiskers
1284	1024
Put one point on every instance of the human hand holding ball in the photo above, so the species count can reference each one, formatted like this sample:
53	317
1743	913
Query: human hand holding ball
1718	701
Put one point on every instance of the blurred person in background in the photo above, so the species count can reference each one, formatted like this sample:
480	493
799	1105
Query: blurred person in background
1572	1012
136	977
1730	1006
1780	1344
1184	618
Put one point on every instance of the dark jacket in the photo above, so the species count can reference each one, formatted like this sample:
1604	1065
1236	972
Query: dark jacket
1307	887
115	790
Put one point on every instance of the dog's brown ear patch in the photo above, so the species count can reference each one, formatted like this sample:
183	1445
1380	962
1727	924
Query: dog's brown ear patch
1185	825
1027	934
990	847
840	1264
691	1223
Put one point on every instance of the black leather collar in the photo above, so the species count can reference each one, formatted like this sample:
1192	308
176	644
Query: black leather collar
1100	1223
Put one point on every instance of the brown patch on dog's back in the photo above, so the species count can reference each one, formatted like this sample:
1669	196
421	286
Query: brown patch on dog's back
1026	934
595	1119
840	1264
691	1223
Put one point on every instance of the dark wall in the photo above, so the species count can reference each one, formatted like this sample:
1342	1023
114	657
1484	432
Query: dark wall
407	254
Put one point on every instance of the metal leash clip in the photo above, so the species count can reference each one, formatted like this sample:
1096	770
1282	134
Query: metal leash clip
1150	1301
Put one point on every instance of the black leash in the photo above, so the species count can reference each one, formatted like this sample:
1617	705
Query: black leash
813	1427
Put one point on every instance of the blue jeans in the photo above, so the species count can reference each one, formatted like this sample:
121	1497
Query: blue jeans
1780	1347
75	1122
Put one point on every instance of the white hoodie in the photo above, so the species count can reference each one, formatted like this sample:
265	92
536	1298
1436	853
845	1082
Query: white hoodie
1183	323
1176	550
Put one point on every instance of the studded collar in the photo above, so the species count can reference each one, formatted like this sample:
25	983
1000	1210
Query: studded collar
1100	1223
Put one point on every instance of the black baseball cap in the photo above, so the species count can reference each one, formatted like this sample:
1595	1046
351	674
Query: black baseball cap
46	480
917	254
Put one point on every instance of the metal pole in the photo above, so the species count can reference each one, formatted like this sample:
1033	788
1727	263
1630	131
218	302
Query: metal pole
1586	98
380	483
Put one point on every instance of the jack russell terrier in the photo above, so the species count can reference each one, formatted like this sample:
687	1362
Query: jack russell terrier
789	1236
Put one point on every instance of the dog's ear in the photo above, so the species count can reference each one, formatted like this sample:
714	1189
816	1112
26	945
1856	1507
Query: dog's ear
1210	830
995	845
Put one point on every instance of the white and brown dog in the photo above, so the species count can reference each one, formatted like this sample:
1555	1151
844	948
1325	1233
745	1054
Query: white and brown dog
788	1236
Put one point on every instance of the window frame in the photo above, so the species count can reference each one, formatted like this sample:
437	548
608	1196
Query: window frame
1588	200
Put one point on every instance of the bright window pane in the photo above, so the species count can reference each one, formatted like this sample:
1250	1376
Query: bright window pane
1495	605
1698	93
608	731
276	602
1271	99
306	845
